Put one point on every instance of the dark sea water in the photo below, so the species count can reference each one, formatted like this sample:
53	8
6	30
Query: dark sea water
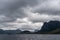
30	37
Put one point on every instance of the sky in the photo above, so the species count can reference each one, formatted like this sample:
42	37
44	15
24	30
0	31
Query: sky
28	14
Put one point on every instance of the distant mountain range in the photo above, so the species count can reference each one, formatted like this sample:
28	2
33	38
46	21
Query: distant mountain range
51	27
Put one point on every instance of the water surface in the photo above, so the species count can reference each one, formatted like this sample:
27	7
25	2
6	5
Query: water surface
30	37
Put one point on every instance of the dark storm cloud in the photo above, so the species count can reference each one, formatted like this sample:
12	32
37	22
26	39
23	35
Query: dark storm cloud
13	8
51	7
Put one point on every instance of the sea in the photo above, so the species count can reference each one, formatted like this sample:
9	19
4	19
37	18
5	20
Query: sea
29	37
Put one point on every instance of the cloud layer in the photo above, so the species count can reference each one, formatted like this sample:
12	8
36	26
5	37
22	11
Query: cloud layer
51	7
28	14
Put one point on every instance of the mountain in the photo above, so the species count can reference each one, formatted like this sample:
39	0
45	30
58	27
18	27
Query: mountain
26	32
49	26
57	31
10	31
1	31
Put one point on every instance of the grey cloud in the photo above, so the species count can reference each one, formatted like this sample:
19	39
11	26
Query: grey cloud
13	8
51	7
43	18
26	27
3	19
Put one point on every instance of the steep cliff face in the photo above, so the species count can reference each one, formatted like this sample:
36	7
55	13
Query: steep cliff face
49	26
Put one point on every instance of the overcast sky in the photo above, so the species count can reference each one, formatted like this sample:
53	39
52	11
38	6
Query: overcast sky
27	14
